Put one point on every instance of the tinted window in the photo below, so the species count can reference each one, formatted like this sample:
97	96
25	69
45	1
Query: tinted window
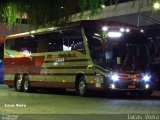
73	40
135	38
65	40
20	44
95	46
50	42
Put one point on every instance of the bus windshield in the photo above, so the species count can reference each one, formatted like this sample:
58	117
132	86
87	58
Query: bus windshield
128	52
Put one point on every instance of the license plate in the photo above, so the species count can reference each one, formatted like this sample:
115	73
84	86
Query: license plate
131	86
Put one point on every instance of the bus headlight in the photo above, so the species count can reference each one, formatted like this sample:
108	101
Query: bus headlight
112	86
114	77
147	86
146	78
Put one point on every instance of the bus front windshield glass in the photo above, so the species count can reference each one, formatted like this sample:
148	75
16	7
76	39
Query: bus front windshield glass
127	53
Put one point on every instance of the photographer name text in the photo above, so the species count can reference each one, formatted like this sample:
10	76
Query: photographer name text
143	117
15	105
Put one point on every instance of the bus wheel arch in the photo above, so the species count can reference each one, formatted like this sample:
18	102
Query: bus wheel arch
18	82
81	85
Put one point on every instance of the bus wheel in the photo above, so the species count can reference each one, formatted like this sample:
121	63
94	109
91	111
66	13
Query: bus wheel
81	87
26	84
18	83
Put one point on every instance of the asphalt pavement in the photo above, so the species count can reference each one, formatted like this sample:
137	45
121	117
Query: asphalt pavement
67	105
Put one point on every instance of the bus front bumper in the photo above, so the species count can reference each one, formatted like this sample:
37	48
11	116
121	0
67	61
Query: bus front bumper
129	87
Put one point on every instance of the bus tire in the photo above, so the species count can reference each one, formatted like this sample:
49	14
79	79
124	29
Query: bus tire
81	86
26	84
18	83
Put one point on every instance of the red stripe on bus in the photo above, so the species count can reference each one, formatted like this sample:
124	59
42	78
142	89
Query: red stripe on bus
61	74
26	61
44	84
52	84
63	85
9	82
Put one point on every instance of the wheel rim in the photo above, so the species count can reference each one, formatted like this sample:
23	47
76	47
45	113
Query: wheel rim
82	87
26	85
18	84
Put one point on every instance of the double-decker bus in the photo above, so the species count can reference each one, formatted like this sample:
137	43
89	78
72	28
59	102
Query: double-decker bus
84	55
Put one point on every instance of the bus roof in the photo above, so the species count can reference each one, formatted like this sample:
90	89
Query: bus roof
31	32
84	23
99	24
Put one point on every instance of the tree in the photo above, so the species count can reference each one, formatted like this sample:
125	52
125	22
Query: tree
44	12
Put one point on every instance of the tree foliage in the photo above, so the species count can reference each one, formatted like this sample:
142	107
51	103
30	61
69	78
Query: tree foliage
44	12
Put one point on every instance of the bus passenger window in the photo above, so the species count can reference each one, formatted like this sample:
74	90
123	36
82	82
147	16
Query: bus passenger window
78	45
9	44
50	42
42	45
73	40
66	44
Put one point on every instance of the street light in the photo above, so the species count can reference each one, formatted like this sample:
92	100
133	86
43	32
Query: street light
156	5
103	6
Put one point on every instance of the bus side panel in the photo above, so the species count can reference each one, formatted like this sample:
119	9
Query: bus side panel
21	65
59	70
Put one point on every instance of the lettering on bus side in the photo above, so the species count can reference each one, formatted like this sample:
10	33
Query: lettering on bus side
61	55
52	56
68	55
49	56
155	60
